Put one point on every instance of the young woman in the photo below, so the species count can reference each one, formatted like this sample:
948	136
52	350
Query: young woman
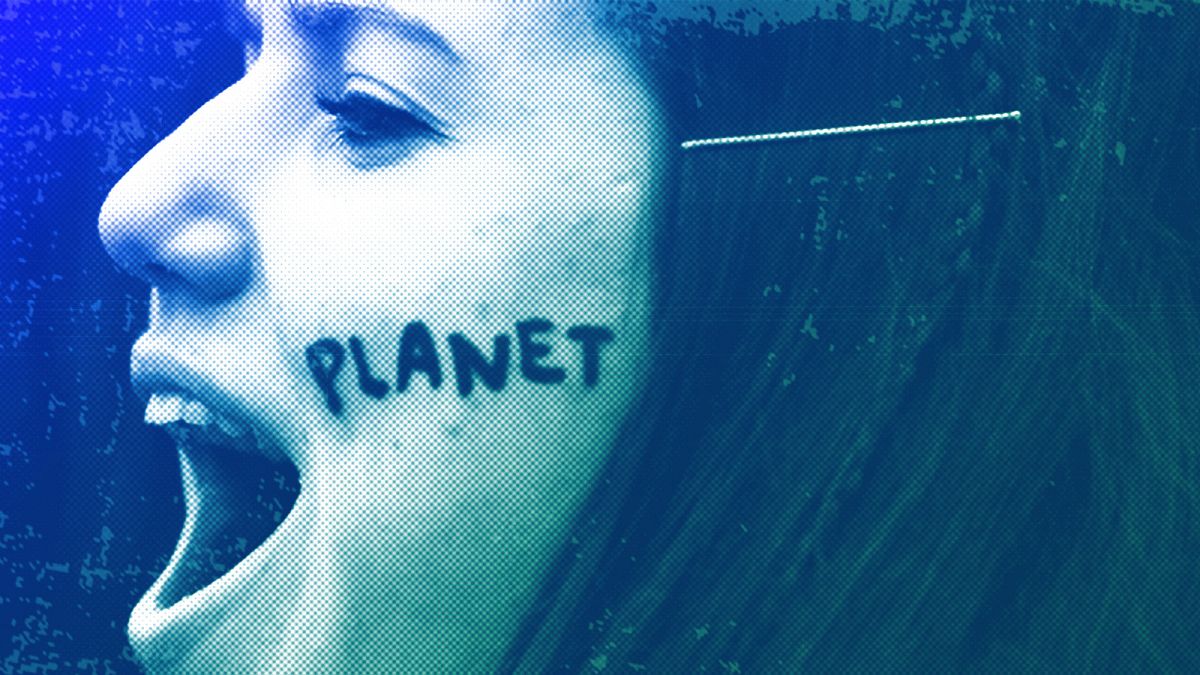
561	395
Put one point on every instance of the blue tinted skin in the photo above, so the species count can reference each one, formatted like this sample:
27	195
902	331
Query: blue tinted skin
472	163
470	363
417	354
369	384
325	359
591	339
533	351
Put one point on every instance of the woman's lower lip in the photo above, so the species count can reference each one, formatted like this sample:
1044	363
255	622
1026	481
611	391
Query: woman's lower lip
257	594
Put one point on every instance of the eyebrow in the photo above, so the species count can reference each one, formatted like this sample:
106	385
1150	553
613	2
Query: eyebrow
308	12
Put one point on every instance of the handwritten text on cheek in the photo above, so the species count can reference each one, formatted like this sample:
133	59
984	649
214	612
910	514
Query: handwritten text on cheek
417	355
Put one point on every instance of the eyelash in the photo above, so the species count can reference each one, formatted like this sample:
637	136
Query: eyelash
362	121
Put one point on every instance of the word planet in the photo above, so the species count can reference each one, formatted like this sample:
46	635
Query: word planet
418	355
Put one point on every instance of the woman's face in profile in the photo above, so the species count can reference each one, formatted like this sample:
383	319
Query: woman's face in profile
410	252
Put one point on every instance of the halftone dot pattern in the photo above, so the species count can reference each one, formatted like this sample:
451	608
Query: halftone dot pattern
415	271
600	337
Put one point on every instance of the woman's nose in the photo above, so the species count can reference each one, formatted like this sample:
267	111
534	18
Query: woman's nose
179	218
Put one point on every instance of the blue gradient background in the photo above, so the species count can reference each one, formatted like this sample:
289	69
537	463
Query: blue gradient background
90	502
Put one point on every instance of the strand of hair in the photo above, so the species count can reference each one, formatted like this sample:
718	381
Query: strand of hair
858	129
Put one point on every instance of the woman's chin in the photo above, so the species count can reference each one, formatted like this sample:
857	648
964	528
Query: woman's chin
270	610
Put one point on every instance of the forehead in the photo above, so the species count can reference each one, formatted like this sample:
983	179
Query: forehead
461	28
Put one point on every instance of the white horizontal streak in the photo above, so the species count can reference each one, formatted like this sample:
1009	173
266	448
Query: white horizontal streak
859	129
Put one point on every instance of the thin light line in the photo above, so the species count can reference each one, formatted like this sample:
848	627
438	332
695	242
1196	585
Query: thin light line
837	131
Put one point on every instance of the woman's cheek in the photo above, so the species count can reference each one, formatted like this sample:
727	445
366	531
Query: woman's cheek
503	468
428	383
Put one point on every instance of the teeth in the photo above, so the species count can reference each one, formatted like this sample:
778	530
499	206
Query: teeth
195	412
164	409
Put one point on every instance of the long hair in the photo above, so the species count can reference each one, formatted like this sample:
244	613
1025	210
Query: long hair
919	400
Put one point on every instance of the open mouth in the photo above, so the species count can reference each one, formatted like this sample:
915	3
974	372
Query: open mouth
238	490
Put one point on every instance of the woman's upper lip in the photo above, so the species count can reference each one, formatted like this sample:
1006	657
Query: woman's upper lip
155	368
